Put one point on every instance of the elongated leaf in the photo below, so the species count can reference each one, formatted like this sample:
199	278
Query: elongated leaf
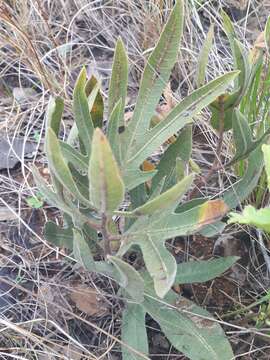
53	198
154	79
167	198
58	236
168	224
74	157
181	148
60	168
239	56
242	188
81	181
160	264
133	332
95	101
81	112
181	115
105	184
130	279
242	135
81	251
266	156
189	328
201	271
112	132
203	57
54	114
119	80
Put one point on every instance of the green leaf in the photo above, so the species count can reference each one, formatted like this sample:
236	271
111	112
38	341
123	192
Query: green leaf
203	57
129	278
53	198
180	148
201	271
112	132
106	187
159	262
119	80
251	216
133	332
150	233
74	157
58	236
35	202
81	251
242	188
239	54
154	79
60	168
81	112
181	115
168	224
242	135
167	198
54	114
244	142
95	101
189	328
266	156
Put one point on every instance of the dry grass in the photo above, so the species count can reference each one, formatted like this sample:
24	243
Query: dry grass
43	45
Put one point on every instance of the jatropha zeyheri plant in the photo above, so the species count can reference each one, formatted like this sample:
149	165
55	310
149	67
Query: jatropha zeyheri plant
99	168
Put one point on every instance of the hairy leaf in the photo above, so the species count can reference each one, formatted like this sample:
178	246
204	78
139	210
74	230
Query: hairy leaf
60	168
203	57
54	113
81	251
74	157
112	132
155	77
95	101
181	148
189	328
167	198
201	271
129	278
61	237
119	80
133	332
105	184
81	112
182	114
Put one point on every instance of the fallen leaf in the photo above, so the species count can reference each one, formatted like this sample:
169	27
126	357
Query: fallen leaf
87	300
11	152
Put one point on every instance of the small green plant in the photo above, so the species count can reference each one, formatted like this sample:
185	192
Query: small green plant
36	202
98	180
